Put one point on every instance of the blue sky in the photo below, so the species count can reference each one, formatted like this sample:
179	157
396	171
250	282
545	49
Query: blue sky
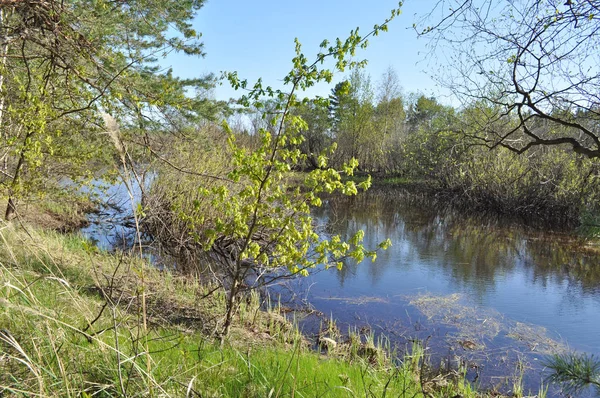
256	39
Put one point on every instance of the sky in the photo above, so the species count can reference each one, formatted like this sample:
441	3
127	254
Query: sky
256	39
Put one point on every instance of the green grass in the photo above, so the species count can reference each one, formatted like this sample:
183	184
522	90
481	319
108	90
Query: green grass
71	325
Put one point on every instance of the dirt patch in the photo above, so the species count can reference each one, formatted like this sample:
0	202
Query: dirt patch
66	215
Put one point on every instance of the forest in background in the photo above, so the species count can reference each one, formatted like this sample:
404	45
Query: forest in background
504	148
411	139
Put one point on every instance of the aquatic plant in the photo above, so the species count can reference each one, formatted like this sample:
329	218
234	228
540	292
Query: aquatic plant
575	372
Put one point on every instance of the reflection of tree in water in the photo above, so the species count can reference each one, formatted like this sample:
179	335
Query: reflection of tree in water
565	259
471	249
371	213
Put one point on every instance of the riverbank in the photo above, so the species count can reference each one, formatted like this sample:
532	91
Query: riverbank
537	210
66	214
79	321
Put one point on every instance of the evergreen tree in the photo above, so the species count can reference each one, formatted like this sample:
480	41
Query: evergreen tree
64	63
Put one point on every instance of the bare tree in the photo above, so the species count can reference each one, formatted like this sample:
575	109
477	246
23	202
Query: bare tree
389	86
390	116
531	68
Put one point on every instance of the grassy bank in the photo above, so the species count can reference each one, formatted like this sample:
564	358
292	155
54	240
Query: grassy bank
75	321
64	213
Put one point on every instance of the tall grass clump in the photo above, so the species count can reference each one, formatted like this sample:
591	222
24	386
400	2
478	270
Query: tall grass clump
547	184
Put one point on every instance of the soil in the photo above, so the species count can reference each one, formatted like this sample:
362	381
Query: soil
38	214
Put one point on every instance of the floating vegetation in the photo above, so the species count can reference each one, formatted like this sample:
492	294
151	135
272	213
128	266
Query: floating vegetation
536	339
475	326
357	300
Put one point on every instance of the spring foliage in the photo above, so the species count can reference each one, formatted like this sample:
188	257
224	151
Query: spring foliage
264	221
63	63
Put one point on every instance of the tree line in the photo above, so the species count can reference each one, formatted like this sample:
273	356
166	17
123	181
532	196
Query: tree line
417	139
65	64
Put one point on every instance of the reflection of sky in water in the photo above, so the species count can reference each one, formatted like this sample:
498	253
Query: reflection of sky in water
505	270
526	276
112	226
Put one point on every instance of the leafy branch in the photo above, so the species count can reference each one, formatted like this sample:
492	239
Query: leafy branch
264	220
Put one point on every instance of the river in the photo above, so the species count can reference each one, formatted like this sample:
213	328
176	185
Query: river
484	292
487	294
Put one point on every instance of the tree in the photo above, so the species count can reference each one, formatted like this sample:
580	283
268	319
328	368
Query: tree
575	372
423	112
389	110
63	63
352	111
390	118
389	86
264	224
317	138
430	143
534	61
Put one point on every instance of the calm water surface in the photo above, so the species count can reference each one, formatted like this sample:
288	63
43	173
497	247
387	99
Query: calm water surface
516	293
481	291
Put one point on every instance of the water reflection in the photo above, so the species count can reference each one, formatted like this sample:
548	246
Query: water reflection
476	252
547	279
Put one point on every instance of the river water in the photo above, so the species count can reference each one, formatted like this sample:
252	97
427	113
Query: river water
481	291
485	294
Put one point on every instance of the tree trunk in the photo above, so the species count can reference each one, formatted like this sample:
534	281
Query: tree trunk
11	208
4	55
230	308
